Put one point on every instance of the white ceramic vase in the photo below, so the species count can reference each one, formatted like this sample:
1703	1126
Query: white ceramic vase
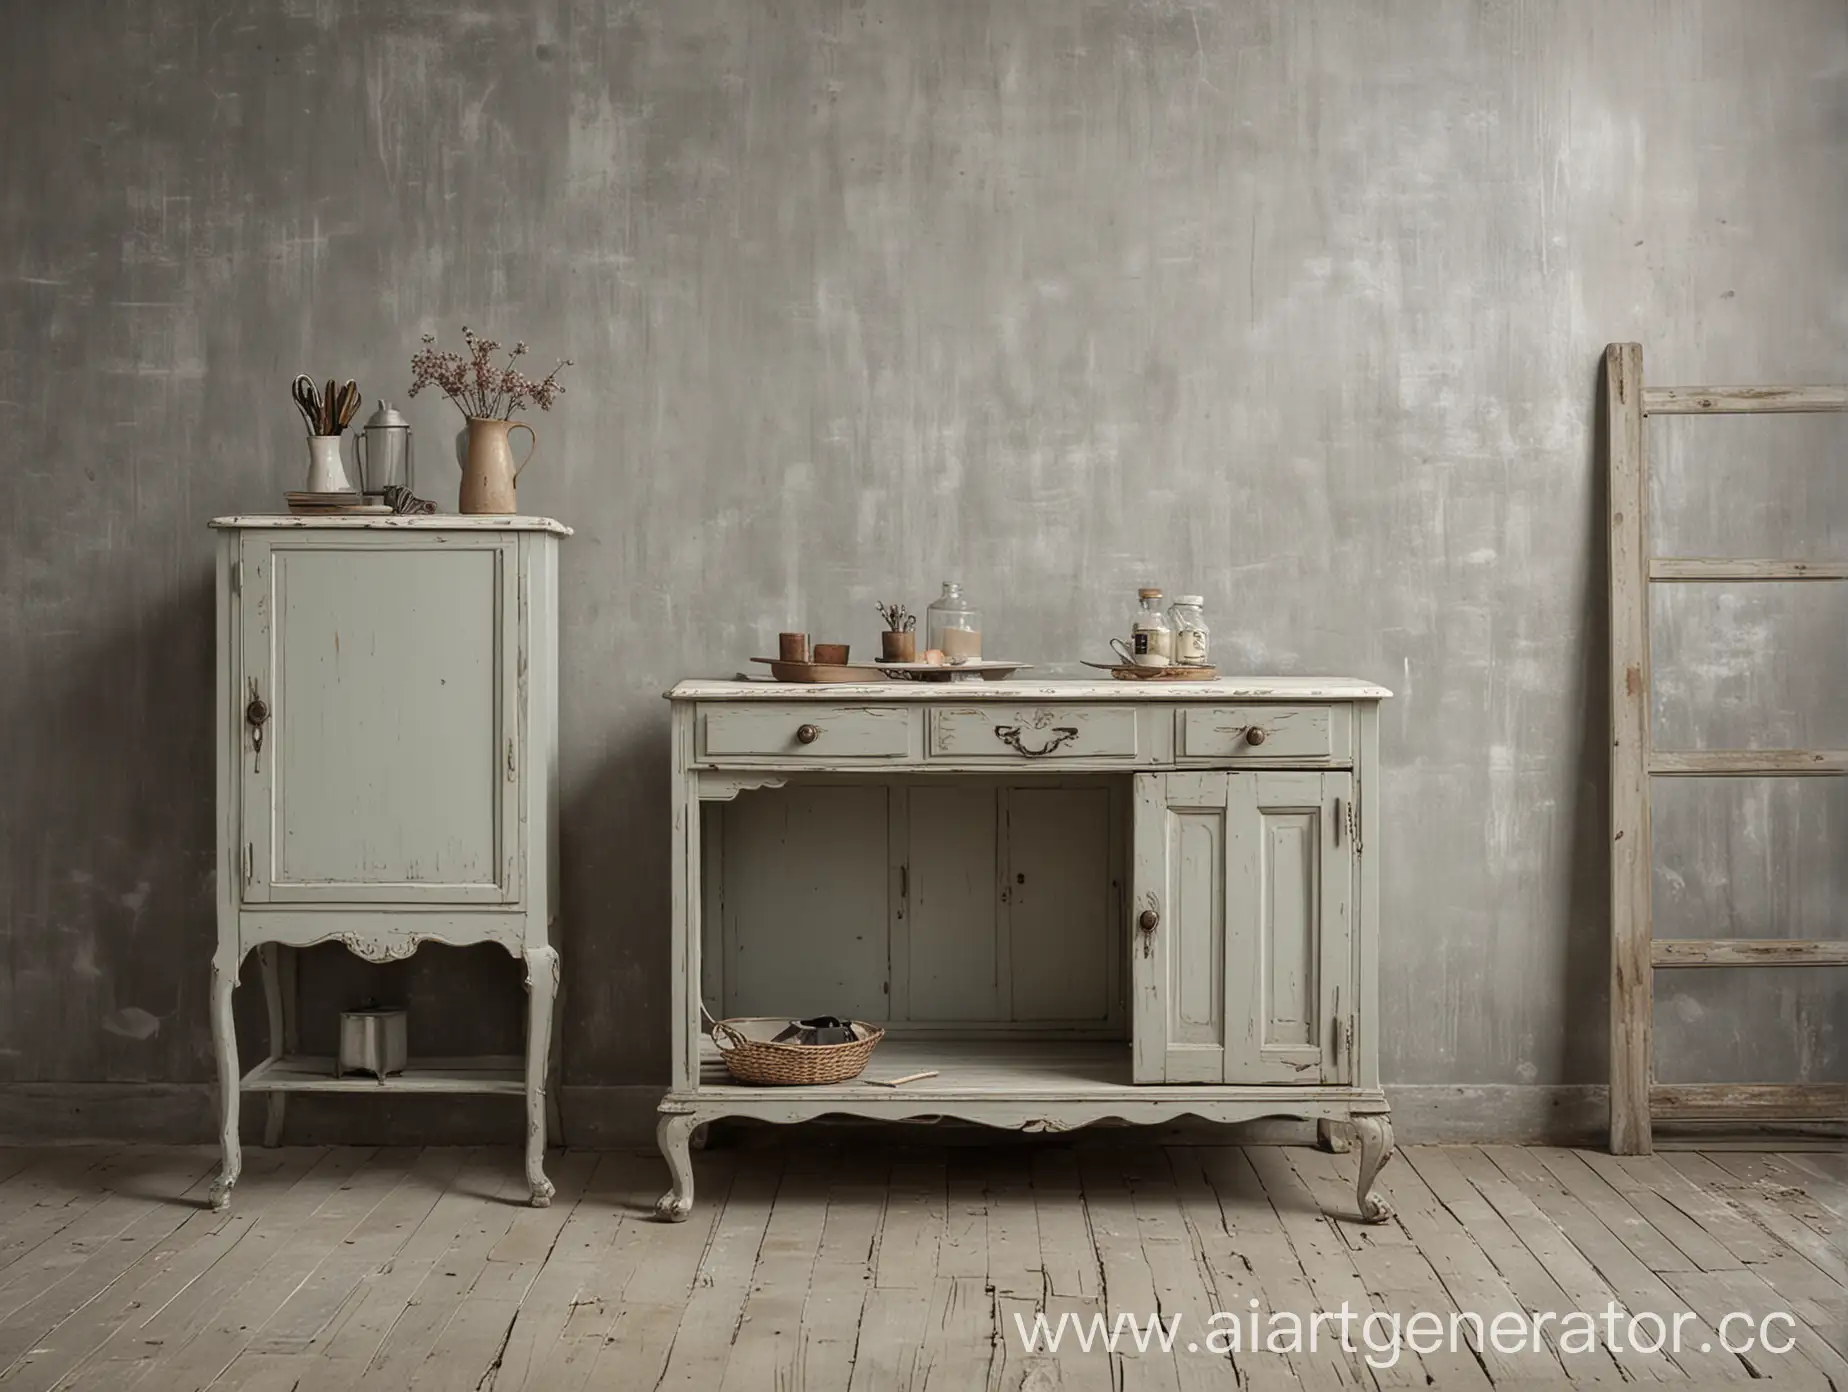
326	469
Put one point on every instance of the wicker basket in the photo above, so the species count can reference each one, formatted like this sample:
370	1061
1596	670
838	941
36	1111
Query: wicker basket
753	1060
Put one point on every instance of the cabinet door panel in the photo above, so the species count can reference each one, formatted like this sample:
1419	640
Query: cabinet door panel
1289	949
1060	905
1243	973
806	901
389	766
951	909
1182	842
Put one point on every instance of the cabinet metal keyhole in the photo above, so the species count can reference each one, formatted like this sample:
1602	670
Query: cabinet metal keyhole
1148	922
256	715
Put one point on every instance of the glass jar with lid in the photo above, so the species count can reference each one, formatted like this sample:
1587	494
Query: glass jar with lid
953	626
1151	637
1190	631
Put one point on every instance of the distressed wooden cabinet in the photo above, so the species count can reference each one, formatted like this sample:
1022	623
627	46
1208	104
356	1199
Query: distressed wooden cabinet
1072	900
387	712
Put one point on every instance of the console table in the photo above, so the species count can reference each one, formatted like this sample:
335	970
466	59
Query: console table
387	776
1071	900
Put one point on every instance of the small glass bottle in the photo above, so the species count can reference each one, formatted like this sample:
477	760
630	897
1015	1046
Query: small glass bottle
954	627
1190	631
1150	637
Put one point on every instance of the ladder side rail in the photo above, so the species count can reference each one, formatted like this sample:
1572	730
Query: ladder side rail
1632	1003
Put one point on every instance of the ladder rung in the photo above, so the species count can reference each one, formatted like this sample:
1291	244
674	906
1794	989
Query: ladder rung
1672	568
1747	952
1749	1101
1696	401
1723	763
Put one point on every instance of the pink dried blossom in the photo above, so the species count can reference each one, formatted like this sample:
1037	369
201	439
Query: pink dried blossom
476	385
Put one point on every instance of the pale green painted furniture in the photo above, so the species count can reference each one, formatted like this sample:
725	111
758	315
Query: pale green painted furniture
1071	900
387	776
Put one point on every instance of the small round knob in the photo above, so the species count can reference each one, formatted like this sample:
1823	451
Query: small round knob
808	734
1255	735
1149	921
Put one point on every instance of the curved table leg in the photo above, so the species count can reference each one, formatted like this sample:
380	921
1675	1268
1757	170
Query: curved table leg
224	1044
541	991
1375	1136
673	1133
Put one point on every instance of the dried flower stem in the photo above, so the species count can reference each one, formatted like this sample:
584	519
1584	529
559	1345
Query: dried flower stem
479	389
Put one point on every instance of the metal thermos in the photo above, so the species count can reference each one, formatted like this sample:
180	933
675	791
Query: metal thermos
372	1040
383	452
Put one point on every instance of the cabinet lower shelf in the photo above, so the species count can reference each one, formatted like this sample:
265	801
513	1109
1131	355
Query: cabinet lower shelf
311	1073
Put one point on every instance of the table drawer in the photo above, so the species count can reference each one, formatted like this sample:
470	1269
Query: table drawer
804	732
1271	733
1023	734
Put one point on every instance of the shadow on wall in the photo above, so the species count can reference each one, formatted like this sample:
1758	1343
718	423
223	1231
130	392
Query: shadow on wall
615	898
109	868
1585	1042
108	854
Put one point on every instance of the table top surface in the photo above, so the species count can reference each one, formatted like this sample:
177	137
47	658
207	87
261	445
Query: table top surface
962	692
391	522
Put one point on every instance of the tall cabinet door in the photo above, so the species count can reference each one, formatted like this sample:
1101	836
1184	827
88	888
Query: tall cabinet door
1241	928
388	768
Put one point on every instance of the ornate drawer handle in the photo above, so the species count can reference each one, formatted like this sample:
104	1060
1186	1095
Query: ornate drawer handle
1010	736
808	734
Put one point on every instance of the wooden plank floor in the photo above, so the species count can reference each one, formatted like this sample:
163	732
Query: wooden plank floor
837	1262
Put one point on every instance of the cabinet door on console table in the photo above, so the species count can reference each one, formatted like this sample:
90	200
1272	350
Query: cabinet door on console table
1241	933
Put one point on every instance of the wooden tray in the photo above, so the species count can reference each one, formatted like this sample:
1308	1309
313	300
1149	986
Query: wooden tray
1125	672
820	673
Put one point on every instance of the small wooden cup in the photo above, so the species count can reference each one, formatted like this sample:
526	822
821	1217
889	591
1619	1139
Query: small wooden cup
792	647
831	654
897	646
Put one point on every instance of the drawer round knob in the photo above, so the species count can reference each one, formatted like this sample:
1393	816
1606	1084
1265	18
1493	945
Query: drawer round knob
808	734
1255	735
1149	921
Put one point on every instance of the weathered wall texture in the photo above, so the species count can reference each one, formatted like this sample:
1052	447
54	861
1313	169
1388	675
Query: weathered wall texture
1296	304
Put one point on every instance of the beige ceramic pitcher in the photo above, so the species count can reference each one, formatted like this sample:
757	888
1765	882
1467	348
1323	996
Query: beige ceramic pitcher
489	471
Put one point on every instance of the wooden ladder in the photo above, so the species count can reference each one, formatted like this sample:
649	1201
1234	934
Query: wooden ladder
1636	1098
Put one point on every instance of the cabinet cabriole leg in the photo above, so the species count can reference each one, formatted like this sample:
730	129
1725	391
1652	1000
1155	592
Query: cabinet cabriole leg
541	992
673	1133
1375	1136
224	1045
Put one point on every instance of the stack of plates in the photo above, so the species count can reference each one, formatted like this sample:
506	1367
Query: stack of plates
349	502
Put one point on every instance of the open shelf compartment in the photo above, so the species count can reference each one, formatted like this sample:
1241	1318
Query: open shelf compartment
315	1073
